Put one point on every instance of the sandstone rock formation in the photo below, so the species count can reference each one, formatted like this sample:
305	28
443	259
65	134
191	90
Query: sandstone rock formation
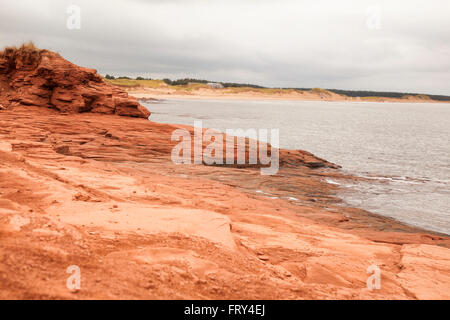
33	77
101	192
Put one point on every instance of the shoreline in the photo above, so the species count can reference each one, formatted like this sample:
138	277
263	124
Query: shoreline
101	191
150	98
216	94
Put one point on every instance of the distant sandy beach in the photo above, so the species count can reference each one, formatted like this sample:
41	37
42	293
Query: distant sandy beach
224	94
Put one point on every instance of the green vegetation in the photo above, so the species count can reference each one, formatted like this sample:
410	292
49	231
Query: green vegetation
124	82
186	81
423	97
351	93
372	98
183	82
240	85
321	91
188	84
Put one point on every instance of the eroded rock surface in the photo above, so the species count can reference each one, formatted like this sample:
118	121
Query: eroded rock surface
101	192
33	77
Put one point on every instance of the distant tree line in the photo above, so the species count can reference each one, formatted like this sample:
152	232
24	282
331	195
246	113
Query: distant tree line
352	93
185	81
349	93
110	77
363	93
240	85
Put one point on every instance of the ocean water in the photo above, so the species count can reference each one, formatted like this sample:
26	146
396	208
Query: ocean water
403	148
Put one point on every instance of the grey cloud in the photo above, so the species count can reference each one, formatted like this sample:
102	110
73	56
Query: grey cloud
275	43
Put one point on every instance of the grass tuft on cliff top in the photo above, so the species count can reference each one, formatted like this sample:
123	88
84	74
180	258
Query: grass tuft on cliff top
28	52
29	46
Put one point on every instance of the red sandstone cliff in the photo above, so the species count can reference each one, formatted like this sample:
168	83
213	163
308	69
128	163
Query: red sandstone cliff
33	77
102	193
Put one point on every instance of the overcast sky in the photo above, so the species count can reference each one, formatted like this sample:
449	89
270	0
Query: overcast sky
401	45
